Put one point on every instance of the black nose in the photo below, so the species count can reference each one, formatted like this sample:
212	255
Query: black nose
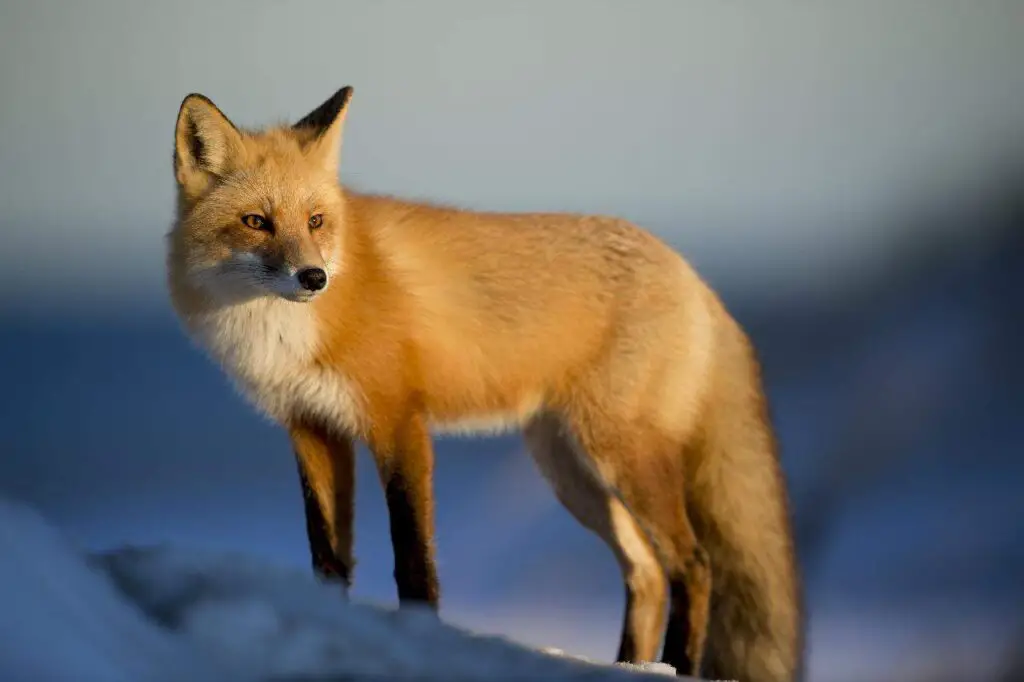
313	279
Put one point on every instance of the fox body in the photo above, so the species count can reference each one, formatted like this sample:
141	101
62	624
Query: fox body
346	317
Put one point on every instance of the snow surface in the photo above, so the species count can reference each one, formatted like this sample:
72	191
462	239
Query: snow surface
160	614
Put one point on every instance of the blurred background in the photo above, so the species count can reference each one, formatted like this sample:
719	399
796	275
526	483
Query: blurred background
849	175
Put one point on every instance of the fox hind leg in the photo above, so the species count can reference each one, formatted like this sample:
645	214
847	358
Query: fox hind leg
646	470
580	489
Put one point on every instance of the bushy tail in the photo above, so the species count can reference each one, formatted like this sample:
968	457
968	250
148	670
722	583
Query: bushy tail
739	509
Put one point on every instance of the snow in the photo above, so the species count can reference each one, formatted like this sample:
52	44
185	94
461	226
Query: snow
162	614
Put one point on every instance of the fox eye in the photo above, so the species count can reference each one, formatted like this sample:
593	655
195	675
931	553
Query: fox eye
316	221
255	221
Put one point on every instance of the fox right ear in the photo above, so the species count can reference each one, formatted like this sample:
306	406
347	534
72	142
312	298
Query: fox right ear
323	127
204	142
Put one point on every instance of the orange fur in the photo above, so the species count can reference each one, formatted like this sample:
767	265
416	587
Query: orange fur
638	393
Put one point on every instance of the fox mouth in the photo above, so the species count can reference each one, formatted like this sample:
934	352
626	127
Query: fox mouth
286	289
282	283
244	278
300	296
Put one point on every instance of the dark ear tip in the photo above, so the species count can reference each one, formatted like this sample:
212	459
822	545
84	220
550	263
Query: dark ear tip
194	98
325	114
341	98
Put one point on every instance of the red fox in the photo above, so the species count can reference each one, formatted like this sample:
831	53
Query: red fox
351	317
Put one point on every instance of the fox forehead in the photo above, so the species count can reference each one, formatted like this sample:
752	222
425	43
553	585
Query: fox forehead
274	175
278	193
278	147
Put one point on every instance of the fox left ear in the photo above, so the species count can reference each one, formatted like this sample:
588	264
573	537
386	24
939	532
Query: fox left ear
323	127
205	143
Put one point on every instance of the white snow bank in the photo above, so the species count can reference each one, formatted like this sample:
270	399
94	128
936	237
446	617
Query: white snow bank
159	614
60	620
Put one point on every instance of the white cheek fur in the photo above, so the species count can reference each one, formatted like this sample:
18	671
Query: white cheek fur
267	346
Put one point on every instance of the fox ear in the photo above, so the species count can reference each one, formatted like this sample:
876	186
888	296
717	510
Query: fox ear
204	142
323	125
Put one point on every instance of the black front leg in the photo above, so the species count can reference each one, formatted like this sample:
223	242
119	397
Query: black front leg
405	462
327	474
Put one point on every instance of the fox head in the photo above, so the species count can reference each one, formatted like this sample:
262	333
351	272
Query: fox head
260	213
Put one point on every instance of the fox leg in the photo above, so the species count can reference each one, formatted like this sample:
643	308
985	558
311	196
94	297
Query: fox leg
645	469
327	474
590	501
405	462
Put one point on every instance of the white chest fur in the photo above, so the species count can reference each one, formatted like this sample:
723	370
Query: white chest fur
268	347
